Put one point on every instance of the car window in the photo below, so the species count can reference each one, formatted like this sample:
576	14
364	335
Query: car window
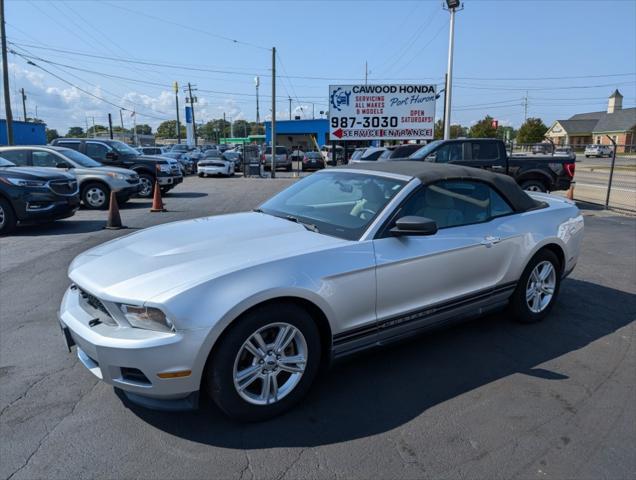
281	150
387	153
453	203
484	151
45	159
19	157
449	152
372	156
68	144
96	151
342	204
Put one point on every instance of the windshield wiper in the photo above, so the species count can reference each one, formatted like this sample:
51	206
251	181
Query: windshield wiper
309	226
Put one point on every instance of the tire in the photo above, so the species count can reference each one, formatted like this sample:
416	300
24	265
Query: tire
164	190
534	186
95	196
7	217
587	156
520	304
148	185
200	175
288	168
230	355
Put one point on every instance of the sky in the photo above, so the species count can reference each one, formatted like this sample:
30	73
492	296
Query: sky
110	56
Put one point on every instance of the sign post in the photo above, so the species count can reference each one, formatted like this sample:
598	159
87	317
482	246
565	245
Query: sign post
381	112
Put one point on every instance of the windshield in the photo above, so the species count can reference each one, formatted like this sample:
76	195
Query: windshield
121	147
80	158
6	163
424	151
357	154
387	153
340	204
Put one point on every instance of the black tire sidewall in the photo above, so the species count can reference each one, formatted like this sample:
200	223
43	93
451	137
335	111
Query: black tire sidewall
518	303
540	184
220	368
103	188
9	217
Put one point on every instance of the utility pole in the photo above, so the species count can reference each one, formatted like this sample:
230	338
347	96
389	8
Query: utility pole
194	123
5	77
121	119
176	100
525	107
110	125
452	7
93	127
134	115
85	118
290	108
257	82
23	103
224	128
273	111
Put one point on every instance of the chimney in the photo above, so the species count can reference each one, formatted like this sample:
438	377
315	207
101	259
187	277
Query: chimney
615	102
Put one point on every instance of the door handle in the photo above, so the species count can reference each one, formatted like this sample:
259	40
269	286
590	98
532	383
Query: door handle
490	240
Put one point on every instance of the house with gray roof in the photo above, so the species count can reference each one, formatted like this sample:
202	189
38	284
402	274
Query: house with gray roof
582	129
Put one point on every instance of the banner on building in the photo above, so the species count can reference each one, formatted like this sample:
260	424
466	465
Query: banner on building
381	112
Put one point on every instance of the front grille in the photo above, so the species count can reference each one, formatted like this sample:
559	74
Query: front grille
174	168
63	187
93	301
94	306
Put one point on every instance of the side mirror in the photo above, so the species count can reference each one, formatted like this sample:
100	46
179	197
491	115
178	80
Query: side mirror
431	157
63	164
413	225
111	156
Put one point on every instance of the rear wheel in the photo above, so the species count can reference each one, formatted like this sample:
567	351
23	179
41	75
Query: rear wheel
534	186
95	196
537	289
265	363
7	217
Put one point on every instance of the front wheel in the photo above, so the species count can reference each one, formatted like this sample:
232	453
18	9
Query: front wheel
147	185
7	217
537	289
265	363
95	196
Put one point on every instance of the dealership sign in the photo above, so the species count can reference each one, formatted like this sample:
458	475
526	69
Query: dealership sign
376	112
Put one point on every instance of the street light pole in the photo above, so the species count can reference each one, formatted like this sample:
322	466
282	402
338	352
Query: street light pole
452	7
273	167
5	77
176	99
257	82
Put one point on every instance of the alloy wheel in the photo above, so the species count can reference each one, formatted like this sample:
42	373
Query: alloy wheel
541	286
146	186
270	364
533	188
2	218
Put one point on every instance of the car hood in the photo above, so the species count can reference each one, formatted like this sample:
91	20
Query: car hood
177	256
36	173
94	170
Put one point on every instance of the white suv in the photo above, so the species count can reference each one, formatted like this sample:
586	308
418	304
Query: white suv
598	151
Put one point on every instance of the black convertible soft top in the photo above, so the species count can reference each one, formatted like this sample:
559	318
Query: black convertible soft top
433	172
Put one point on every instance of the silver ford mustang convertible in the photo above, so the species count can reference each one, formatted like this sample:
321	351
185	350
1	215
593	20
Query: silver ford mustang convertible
248	307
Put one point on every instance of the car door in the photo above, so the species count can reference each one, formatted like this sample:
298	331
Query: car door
40	158
459	267
485	154
99	152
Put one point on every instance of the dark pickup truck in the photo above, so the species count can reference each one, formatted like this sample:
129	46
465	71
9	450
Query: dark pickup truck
534	173
117	154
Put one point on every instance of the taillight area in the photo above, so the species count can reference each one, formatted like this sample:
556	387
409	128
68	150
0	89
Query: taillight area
569	169
263	158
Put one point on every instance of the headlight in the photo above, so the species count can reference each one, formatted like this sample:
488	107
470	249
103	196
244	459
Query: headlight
147	318
163	168
117	176
21	182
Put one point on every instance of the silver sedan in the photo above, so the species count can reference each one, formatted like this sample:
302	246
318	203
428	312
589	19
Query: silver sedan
249	307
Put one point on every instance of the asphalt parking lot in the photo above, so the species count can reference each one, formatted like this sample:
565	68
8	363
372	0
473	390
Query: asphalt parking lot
488	399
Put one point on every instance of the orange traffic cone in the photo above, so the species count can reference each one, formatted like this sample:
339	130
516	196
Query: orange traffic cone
114	220
570	194
157	204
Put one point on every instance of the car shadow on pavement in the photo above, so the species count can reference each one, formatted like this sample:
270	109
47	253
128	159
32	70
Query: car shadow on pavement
60	227
379	391
132	205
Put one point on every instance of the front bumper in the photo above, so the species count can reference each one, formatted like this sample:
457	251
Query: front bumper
214	170
129	191
171	180
42	207
131	358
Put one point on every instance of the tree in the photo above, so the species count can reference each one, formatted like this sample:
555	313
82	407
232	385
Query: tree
455	130
241	128
118	129
257	128
75	132
51	134
144	129
483	129
213	130
168	129
532	131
